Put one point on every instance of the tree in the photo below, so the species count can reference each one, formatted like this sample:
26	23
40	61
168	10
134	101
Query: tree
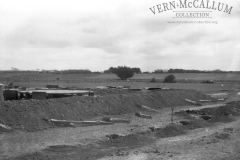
107	71
146	72
170	79
158	71
123	72
112	70
136	70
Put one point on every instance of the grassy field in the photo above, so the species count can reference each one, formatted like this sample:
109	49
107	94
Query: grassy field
50	76
204	88
193	76
93	80
42	76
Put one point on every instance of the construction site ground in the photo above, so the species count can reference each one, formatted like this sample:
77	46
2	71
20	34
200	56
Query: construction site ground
190	136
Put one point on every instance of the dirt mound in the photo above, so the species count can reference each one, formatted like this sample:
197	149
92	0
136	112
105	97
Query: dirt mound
171	130
29	115
217	114
103	92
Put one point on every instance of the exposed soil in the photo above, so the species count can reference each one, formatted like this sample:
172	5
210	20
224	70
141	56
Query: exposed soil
212	115
31	115
157	144
198	132
103	92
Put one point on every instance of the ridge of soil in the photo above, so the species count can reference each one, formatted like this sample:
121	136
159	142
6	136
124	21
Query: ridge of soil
29	115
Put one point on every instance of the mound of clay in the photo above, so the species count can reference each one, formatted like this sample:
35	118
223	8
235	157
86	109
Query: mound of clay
29	115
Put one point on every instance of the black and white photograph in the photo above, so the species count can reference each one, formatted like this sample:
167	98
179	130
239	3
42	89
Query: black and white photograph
120	80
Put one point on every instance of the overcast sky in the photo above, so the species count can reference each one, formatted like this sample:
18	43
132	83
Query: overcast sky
95	35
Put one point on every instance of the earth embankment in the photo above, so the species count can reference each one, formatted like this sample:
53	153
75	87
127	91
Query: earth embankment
29	115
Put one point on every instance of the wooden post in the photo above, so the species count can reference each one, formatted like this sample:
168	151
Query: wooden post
172	114
1	92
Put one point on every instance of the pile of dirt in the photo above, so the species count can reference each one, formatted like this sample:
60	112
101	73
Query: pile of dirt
29	115
103	92
171	130
207	117
223	114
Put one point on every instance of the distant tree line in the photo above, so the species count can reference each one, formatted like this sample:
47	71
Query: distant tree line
159	71
73	71
25	71
112	70
192	71
115	69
